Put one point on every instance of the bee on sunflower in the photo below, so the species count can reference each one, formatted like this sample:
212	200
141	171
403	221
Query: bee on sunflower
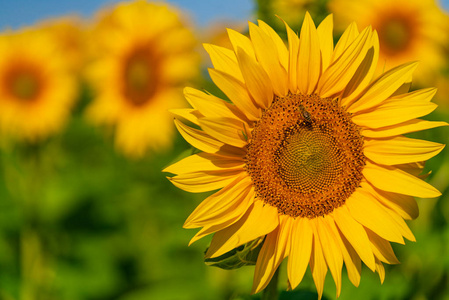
309	154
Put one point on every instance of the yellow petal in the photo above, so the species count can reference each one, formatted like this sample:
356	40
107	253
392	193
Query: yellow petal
200	182
231	202
293	50
403	205
237	93
256	79
400	150
381	270
339	73
400	223
364	74
224	60
268	57
205	162
186	114
238	40
265	262
317	262
281	49
346	39
226	219
350	257
402	128
352	262
414	168
227	130
325	35
404	88
355	234
285	237
209	229
204	181
370	214
383	87
331	250
382	248
300	251
392	179
198	138
309	57
397	110
259	220
276	247
210	106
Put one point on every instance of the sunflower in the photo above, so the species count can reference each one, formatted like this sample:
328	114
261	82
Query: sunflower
70	33
143	53
292	11
37	89
408	30
310	154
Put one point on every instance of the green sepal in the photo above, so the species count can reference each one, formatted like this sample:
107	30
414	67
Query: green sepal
245	255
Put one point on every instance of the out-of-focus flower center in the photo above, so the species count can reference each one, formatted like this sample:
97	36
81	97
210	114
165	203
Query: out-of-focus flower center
305	156
22	83
396	33
140	76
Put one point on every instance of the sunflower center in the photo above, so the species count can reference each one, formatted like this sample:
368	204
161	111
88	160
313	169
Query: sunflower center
307	159
23	83
396	33
305	156
140	78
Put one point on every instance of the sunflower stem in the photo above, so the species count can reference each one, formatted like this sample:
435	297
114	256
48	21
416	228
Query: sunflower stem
271	291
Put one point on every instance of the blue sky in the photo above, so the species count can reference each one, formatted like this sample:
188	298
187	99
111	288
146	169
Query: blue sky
17	13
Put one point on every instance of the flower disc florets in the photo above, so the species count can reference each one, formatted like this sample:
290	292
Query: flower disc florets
305	156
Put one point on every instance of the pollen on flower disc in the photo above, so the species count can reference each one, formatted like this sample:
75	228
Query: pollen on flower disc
305	156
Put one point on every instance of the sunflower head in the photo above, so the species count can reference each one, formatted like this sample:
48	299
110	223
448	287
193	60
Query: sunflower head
408	30
23	81
305	156
141	53
309	152
37	88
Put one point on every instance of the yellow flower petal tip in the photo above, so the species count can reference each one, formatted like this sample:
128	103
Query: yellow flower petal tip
310	154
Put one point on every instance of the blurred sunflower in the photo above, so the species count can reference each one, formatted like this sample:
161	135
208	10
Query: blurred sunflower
37	89
291	11
143	53
309	155
70	33
408	30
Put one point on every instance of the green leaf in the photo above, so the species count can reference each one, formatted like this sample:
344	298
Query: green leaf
245	255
